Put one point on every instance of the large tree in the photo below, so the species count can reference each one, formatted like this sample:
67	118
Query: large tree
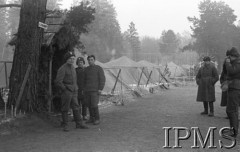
27	53
214	30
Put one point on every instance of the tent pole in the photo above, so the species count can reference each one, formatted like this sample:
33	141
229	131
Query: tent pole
148	78
116	81
50	83
140	77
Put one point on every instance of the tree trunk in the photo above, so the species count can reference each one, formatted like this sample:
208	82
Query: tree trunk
27	53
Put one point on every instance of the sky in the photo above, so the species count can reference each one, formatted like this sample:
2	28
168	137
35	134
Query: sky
151	17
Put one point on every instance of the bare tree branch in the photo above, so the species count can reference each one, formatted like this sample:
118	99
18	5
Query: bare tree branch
10	5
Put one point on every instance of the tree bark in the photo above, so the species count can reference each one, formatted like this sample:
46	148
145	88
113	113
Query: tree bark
27	52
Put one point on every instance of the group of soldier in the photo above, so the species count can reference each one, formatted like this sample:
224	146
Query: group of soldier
206	79
80	89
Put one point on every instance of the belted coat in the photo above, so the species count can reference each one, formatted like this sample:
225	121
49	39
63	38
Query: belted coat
206	78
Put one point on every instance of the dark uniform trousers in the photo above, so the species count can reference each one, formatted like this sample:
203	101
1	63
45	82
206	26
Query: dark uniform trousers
210	103
232	108
69	100
92	98
82	104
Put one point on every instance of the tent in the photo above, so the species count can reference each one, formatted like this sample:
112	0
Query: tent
157	72
175	70
131	71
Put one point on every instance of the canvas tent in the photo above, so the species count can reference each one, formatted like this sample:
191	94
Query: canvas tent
175	70
131	71
152	71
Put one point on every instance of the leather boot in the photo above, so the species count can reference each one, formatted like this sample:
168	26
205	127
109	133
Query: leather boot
65	121
78	120
91	118
205	105
84	112
96	115
211	114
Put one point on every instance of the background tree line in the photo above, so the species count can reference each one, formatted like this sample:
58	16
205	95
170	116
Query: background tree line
213	32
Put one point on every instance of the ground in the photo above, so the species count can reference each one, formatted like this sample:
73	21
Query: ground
135	127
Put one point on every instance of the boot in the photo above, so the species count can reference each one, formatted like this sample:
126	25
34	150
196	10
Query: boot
91	118
205	105
78	120
84	111
84	118
96	115
211	114
65	121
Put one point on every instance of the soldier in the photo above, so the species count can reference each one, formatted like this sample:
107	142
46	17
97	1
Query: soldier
66	80
233	75
80	80
206	78
224	83
94	81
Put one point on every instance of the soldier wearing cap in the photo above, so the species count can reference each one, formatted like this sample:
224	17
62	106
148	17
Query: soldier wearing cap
206	78
66	80
94	81
232	63
80	80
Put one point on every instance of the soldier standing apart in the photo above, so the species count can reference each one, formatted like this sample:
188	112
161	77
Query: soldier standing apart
94	81
66	80
80	80
206	78
233	75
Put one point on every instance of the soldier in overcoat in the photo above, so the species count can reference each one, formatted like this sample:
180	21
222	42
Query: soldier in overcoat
94	81
206	78
233	75
66	80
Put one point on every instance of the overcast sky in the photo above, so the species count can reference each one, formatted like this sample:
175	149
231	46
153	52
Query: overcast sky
151	17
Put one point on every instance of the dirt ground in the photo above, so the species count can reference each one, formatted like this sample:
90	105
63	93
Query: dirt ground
135	127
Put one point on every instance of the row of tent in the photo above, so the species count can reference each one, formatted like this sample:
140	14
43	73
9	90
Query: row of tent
121	74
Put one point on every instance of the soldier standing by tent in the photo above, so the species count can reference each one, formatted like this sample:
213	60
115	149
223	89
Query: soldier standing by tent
206	78
94	81
233	74
66	80
80	80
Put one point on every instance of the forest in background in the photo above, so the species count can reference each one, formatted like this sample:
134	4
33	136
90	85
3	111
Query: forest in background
213	32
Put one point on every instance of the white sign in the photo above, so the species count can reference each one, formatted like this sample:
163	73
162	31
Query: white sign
42	25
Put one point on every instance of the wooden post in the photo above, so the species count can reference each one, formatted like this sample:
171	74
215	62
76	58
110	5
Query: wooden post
50	86
22	87
148	78
124	84
50	83
140	77
6	77
116	81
